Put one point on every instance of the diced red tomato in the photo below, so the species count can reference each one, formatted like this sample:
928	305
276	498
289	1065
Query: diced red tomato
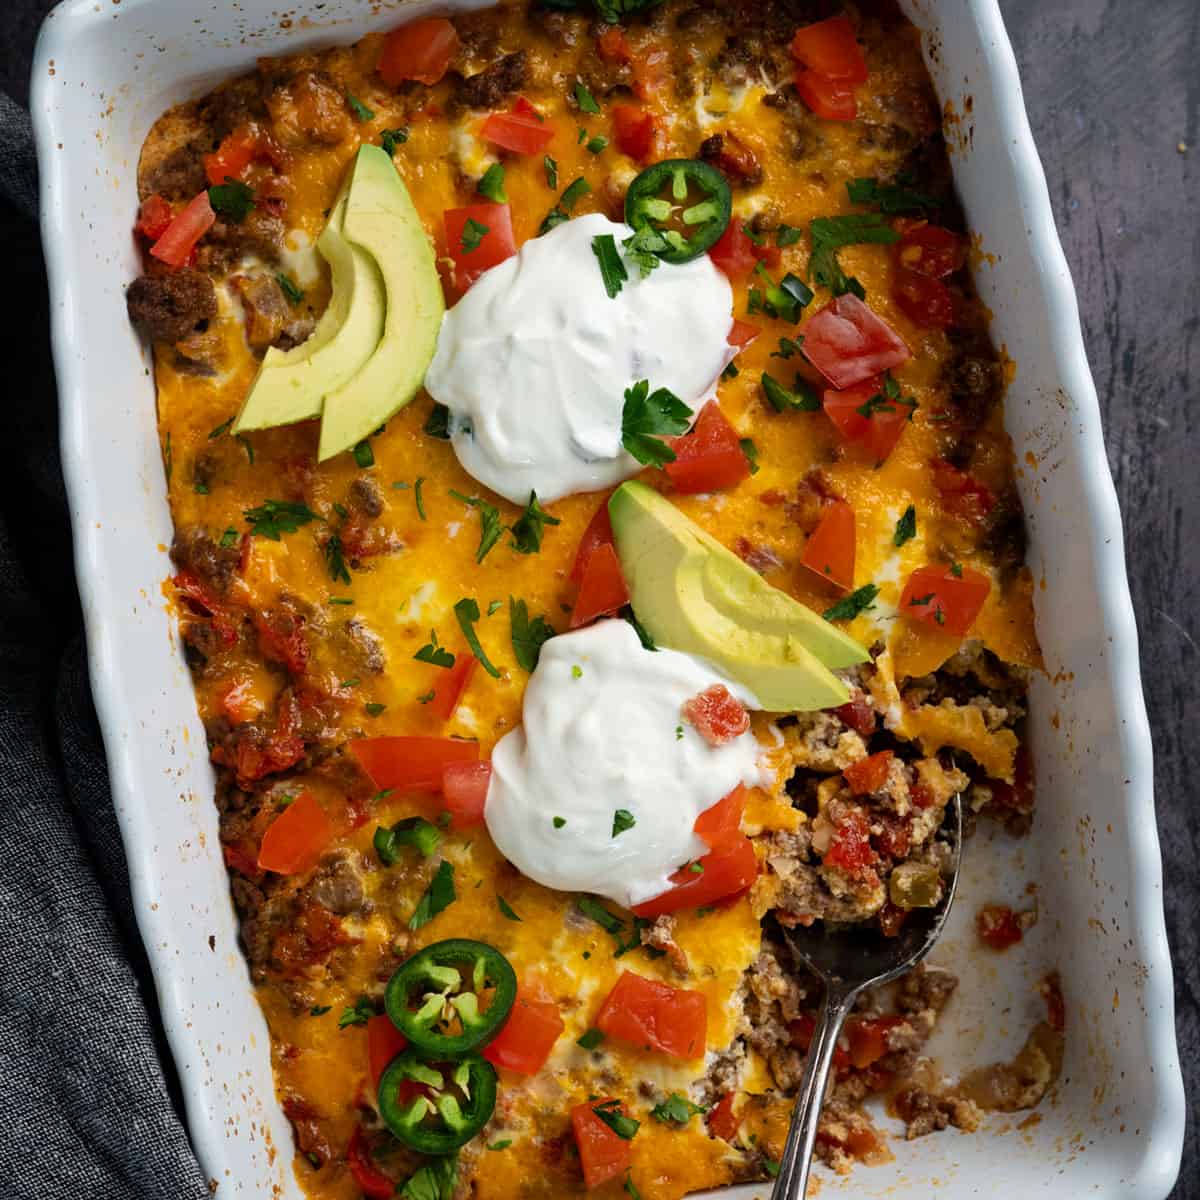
831	47
830	99
710	458
614	46
297	838
465	787
255	759
238	150
154	217
451	684
281	639
723	1122
997	926
602	590
875	435
199	597
238	860
420	50
868	775
598	533
717	715
734	253
724	872
851	846
930	250
829	552
742	334
384	1042
802	1030
962	494
634	130
371	1180
179	239
517	133
496	245
411	763
655	1016
603	1154
858	713
937	596
849	344
524	108
527	1037
924	301
723	822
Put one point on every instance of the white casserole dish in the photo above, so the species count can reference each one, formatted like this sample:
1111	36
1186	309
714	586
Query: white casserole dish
1113	1126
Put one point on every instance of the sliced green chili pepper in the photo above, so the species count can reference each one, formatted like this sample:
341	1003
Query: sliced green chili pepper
687	201
450	1105
436	999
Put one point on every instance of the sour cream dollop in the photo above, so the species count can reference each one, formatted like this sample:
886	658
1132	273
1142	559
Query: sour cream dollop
603	730
533	362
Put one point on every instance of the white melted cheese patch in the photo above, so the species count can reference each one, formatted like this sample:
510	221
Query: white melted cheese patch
534	361
603	730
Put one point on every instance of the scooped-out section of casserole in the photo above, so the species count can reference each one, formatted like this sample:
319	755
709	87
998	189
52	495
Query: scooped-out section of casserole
597	551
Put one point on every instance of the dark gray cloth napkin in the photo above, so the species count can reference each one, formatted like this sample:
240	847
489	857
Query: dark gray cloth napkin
89	1105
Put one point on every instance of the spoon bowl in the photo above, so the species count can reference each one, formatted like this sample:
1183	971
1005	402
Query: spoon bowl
848	961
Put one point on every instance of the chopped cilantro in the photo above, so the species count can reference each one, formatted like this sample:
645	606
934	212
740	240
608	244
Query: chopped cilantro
528	636
612	269
676	1109
590	1040
420	501
585	99
551	172
506	909
389	139
472	235
830	234
434	654
597	144
610	1113
417	832
890	198
220	429
849	607
335	560
559	822
273	518
231	199
529	527
492	184
750	450
788	347
467	612
359	109
801	397
437	898
646	417
906	527
490	525
438	423
359	1013
293	293
364	456
623	819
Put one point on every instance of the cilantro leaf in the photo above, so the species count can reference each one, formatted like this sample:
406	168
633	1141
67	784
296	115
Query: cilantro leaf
467	612
529	527
434	654
472	235
786	299
551	172
750	450
676	1109
359	109
436	1180
849	607
359	1013
335	560
610	1113
490	525
644	248
293	293
906	527
389	139
585	99
273	518
612	269
437	897
231	199
506	909
830	234
417	832
590	1040
528	637
438	423
891	198
646	417
623	819
613	11
492	184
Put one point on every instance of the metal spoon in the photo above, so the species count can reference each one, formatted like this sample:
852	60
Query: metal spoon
847	962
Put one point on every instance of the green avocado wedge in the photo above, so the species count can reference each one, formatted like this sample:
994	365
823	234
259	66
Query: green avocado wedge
694	595
291	386
382	221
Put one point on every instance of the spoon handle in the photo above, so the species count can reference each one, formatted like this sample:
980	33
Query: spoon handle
792	1180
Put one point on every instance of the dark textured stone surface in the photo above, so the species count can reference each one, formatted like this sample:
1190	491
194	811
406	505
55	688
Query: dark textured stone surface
1113	91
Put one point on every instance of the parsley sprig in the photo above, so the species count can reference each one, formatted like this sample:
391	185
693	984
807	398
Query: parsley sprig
529	528
830	234
528	636
467	612
849	607
273	518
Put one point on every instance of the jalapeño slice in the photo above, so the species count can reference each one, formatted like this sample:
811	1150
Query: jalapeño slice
435	1109
452	997
685	201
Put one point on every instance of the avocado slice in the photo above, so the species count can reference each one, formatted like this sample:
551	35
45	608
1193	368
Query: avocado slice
382	221
694	595
291	386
